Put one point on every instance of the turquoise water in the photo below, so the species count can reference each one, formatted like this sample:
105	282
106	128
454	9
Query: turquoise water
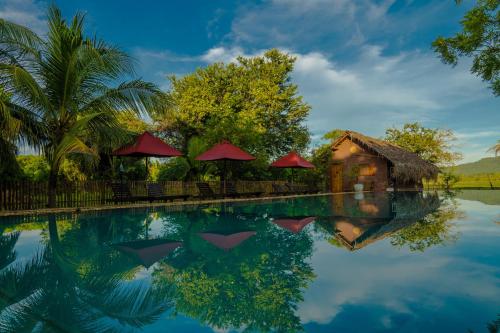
403	262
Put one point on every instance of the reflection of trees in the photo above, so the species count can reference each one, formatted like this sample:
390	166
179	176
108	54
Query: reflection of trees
7	243
255	286
493	326
435	228
75	284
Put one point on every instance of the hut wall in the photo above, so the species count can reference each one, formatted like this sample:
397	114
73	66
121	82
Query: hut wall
374	168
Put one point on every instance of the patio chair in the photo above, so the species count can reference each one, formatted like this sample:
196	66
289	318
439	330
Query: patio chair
121	193
206	191
296	189
232	192
155	192
280	189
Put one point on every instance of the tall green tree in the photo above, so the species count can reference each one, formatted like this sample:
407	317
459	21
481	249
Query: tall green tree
251	102
64	83
433	145
479	39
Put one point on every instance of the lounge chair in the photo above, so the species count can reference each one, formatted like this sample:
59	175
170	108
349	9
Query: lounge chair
155	192
280	189
294	189
121	193
232	192
206	191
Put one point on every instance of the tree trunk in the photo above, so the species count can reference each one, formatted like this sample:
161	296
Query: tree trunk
52	188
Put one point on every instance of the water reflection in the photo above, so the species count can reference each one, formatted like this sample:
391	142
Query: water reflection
240	266
414	220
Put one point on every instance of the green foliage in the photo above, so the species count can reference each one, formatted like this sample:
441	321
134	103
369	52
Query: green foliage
434	229
60	87
432	145
479	39
34	167
187	167
449	178
251	102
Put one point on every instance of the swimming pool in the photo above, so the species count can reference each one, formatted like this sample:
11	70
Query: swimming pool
396	262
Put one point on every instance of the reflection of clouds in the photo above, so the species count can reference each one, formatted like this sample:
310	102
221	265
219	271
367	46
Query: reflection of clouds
381	276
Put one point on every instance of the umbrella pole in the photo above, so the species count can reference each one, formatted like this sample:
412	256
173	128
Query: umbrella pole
147	168
223	178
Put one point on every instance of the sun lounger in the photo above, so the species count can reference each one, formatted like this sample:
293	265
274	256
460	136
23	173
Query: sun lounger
206	191
121	193
232	192
280	189
155	192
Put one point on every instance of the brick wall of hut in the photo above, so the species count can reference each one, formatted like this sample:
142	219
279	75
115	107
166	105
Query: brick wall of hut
374	169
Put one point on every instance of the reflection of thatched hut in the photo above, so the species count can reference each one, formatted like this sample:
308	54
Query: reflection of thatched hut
355	227
378	164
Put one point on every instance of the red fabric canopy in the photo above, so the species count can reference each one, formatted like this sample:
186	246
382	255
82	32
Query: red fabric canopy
225	151
294	225
292	160
147	252
227	242
147	145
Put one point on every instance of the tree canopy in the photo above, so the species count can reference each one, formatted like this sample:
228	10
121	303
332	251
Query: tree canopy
251	102
433	145
479	39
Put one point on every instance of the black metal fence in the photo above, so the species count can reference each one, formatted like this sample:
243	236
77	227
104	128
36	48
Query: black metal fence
25	195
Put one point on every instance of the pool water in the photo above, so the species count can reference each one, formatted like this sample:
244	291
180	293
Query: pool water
396	262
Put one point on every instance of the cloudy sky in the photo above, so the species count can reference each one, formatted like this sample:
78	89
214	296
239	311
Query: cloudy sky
363	65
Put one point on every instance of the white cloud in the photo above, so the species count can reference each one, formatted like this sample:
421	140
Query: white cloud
429	282
221	54
373	92
25	12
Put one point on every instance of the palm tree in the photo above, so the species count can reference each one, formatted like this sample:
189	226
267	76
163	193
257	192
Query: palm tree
64	84
75	283
495	148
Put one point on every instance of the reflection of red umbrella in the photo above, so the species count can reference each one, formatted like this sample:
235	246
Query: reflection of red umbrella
225	151
147	145
147	252
294	225
293	161
227	242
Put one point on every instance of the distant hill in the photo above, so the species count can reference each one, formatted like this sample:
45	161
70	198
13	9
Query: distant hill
485	165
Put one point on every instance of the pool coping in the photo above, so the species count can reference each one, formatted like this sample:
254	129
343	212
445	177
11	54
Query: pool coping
44	211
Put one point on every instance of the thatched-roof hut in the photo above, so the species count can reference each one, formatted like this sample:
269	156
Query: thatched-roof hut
379	164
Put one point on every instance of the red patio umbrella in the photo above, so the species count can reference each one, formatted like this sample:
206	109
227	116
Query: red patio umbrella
147	145
227	242
294	225
225	151
147	252
292	160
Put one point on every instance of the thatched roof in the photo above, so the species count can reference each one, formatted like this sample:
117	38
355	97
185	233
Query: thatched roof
408	166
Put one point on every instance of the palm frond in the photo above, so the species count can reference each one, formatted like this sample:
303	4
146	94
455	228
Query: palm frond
7	243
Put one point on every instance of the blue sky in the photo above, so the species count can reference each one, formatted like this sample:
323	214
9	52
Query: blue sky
363	65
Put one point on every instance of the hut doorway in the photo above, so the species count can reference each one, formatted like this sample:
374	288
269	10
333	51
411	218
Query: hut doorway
336	177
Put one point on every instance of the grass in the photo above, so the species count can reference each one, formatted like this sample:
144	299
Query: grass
471	181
